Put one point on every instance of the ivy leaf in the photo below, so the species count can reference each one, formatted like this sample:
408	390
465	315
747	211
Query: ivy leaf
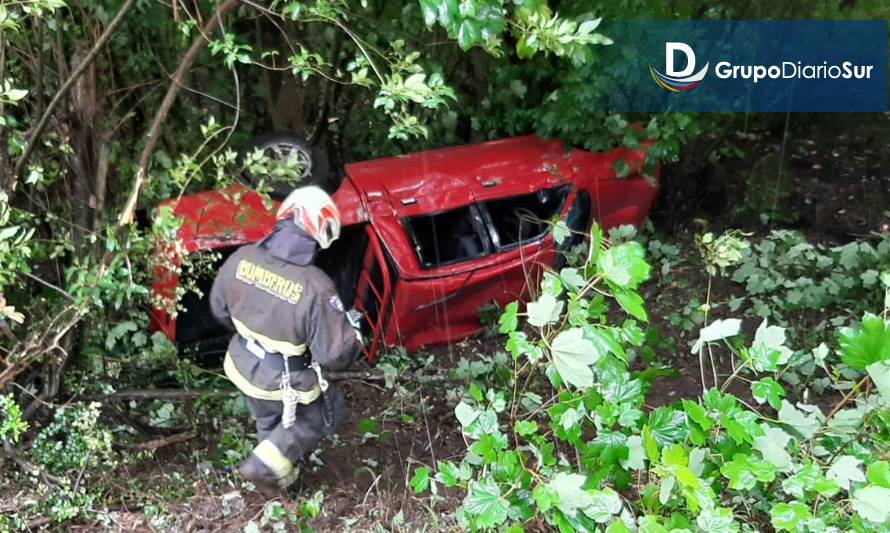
572	496
771	446
508	320
880	374
879	474
546	310
572	355
486	504
716	520
421	480
526	427
715	331
624	265
871	503
636	454
743	472
668	425
768	390
448	474
606	503
808	479
466	415
845	470
560	230
572	278
806	425
787	516
869	344
768	351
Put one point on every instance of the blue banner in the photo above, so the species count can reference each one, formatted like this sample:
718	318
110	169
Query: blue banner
744	65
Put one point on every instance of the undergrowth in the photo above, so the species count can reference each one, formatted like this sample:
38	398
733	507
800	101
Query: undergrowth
565	436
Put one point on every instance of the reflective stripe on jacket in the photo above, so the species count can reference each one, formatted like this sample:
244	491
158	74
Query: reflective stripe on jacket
284	309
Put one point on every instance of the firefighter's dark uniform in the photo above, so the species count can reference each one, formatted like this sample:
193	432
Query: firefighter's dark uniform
280	305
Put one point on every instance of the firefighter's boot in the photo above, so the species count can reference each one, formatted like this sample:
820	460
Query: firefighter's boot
253	470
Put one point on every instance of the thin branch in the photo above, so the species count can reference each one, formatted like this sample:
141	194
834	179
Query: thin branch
154	131
69	83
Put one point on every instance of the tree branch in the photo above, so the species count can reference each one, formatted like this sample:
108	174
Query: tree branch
69	83
154	132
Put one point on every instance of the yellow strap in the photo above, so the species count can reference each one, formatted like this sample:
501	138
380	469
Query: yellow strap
268	344
271	456
248	388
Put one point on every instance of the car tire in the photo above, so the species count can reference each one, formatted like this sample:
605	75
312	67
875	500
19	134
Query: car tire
281	145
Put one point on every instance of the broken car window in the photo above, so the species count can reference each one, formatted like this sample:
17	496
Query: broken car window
447	237
524	218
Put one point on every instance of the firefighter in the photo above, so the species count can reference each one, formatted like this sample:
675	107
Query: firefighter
289	325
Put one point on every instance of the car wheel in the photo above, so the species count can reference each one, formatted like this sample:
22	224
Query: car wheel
284	148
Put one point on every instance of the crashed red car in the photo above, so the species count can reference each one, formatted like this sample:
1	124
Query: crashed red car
428	238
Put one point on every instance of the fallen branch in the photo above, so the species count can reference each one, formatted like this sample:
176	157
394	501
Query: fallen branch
27	466
69	83
182	395
166	441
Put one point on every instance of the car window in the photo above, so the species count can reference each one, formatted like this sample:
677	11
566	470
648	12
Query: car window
523	218
448	237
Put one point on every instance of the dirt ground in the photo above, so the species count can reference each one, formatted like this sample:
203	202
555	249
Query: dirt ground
833	186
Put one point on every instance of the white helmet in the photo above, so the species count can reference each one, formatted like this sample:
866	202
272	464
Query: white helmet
313	210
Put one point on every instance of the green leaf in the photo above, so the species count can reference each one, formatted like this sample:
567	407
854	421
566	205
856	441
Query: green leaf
486	504
867	345
508	320
716	520
871	503
560	230
636	454
787	516
806	425
606	503
469	34
572	278
768	390
846	470
771	446
715	331
466	414
546	310
879	474
768	351
880	374
448	474
572	496
624	265
809	479
631	302
421	480
743	472
668	425
526	427
572	355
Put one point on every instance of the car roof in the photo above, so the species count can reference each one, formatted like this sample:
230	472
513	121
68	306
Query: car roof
447	178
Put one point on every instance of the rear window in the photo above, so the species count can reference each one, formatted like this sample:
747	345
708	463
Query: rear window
448	237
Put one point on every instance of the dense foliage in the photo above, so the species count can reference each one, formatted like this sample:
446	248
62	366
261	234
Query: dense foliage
566	434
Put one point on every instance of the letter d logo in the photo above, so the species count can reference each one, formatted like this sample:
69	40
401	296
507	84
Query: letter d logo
678	80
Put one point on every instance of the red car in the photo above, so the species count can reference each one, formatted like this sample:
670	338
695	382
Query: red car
428	238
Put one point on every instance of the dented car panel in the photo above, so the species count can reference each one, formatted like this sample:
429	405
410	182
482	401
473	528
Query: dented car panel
443	232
